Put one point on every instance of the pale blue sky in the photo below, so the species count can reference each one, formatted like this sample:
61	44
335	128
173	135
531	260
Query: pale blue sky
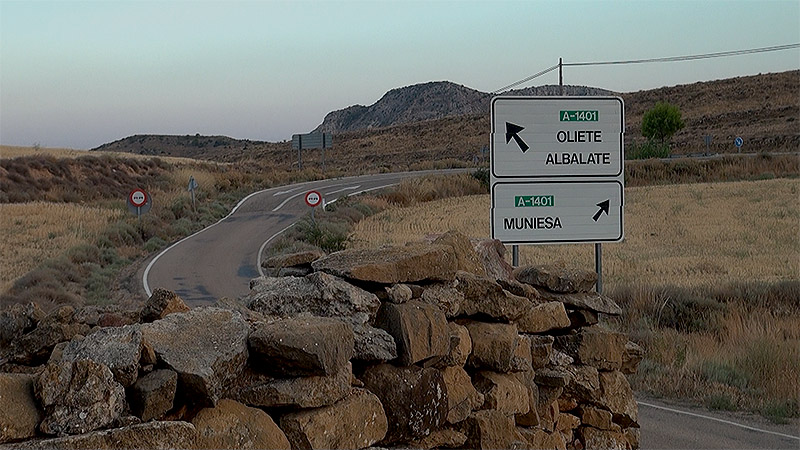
80	74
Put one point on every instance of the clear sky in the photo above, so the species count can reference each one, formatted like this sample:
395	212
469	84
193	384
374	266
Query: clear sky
80	74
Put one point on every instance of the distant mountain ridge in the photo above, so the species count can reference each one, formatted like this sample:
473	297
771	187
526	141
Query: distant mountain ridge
430	101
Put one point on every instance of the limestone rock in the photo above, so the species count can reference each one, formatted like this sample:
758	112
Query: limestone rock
304	392
552	377
567	424
538	438
597	418
466	257
631	357
292	259
154	394
548	407
356	421
419	329
594	346
493	345
584	382
34	347
491	429
521	358
415	399
78	397
18	320
462	397
616	396
444	438
591	301
541	349
207	347
19	413
119	349
492	255
530	418
521	289
231	424
579	318
484	297
319	294
390	265
373	344
301	346
556	278
399	293
603	439
502	392
543	317
150	435
160	304
445	297
460	346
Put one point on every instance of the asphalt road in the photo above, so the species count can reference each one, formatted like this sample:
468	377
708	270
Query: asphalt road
221	260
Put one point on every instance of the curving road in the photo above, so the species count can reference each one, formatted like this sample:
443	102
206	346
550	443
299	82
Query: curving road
220	260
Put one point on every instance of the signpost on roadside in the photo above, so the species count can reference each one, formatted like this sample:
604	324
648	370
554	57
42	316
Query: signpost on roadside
193	187
708	138
738	142
139	202
309	141
557	168
313	199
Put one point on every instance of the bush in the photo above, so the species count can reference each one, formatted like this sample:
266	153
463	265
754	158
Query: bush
647	150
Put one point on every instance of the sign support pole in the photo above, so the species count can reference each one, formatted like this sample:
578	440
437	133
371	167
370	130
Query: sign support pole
515	255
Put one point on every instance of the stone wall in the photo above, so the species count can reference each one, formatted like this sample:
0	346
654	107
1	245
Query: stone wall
432	345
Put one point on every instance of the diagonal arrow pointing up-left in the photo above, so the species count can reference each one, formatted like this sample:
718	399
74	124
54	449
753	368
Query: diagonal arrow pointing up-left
512	132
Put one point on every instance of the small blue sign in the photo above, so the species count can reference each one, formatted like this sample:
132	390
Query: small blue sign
738	142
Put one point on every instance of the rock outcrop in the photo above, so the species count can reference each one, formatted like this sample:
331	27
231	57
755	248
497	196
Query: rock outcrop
422	346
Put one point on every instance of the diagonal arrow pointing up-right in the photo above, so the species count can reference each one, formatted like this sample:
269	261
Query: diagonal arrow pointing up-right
604	206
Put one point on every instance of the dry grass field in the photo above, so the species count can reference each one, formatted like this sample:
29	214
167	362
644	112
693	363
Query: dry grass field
685	235
708	277
36	231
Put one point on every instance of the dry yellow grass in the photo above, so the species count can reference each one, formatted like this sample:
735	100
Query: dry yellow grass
684	235
34	232
10	151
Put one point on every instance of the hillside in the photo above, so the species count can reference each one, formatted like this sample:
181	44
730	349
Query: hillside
430	122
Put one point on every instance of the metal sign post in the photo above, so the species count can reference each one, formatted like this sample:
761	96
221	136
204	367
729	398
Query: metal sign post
193	187
310	141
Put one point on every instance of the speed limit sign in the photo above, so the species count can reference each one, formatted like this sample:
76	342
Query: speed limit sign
313	198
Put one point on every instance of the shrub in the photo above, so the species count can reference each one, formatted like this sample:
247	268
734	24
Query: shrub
647	150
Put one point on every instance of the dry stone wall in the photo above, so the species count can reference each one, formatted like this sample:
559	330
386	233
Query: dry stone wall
432	345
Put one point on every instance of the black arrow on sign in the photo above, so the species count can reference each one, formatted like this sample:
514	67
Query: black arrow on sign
604	205
511	133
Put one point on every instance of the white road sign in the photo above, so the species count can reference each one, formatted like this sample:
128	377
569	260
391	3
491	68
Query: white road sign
313	198
557	212
550	137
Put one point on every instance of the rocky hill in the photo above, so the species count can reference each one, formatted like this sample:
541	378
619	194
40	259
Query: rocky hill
427	101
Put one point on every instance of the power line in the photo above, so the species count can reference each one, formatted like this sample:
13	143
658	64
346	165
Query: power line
689	57
525	80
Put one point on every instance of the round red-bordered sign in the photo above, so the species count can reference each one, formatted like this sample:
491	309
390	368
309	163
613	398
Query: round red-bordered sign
137	197
313	198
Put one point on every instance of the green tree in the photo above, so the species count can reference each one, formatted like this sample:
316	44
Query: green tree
661	122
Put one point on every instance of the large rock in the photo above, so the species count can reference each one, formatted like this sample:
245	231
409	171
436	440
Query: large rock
391	265
547	408
78	397
491	429
462	397
18	320
302	346
631	357
484	297
303	392
154	394
492	253
150	435
616	396
19	414
493	346
356	421
543	317
502	392
608	440
207	347
231	424
444	296
460	346
319	294
419	329
556	278
594	346
415	399
33	348
160	304
373	344
530	418
444	438
538	438
541	349
119	349
591	301
467	259
293	259
584	383
597	418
